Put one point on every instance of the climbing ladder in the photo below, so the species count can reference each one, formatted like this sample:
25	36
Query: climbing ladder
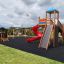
45	40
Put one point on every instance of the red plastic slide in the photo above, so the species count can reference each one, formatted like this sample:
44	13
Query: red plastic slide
38	34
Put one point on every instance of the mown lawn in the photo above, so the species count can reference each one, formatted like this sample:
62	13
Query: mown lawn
13	56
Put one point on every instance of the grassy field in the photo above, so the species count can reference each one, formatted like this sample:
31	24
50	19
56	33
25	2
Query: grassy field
13	56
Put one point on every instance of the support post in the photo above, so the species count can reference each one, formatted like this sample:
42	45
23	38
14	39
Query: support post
55	43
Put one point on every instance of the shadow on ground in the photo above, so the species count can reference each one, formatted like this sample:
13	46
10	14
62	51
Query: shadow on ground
20	43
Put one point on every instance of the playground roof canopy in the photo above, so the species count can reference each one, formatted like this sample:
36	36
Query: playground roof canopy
52	10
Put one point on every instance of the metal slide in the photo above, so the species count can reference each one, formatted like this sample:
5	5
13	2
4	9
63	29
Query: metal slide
45	39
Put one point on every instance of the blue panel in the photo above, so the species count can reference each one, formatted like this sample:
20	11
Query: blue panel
42	22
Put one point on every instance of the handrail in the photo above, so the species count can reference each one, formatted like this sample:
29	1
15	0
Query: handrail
60	25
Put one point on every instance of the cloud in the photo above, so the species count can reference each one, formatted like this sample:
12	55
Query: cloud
24	12
44	2
29	2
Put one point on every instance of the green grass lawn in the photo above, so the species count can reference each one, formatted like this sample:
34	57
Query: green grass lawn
13	56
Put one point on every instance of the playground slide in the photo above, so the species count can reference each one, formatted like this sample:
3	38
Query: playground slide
60	25
45	40
62	28
37	33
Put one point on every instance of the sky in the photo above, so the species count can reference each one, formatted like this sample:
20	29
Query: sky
25	13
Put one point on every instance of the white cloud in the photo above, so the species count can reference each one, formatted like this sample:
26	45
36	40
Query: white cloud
44	2
29	2
24	12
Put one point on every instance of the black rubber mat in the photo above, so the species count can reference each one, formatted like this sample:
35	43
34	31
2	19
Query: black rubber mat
20	43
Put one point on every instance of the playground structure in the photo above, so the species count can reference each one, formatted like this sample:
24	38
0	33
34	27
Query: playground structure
51	28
